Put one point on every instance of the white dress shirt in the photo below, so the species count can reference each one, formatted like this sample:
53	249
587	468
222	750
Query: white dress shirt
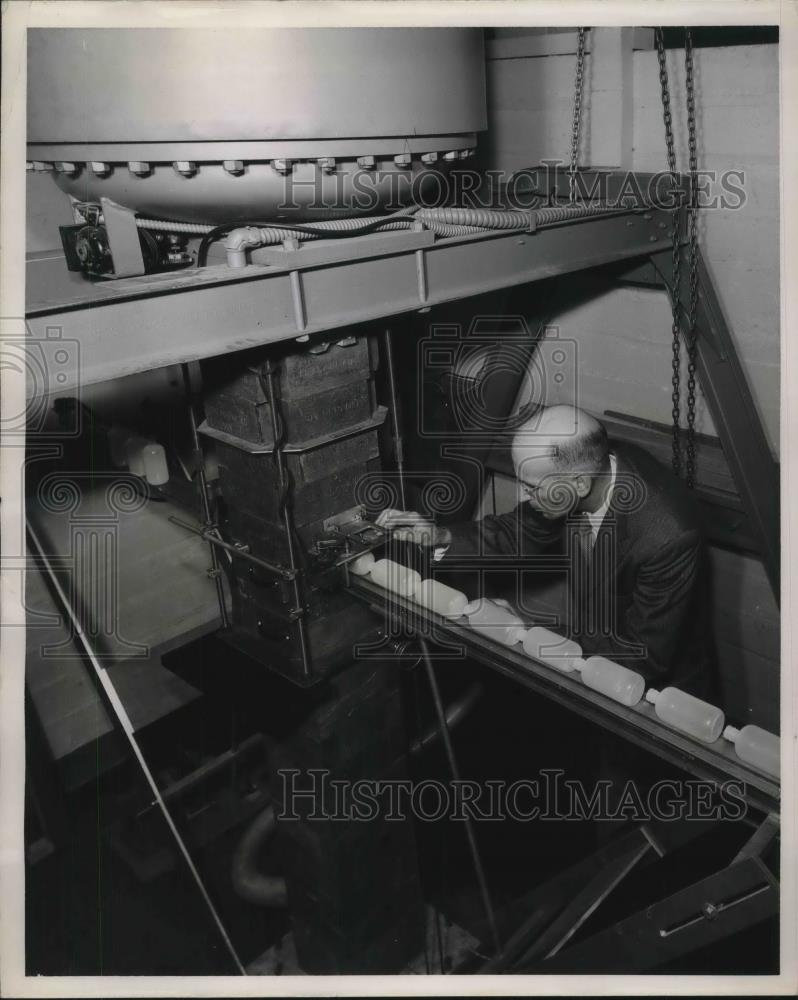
597	516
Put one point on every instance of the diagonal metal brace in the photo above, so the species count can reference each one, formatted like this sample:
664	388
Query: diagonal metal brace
731	403
716	907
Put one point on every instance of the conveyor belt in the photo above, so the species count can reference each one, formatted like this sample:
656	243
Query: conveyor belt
715	762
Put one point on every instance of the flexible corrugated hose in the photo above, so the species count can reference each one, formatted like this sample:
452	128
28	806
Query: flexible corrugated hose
444	222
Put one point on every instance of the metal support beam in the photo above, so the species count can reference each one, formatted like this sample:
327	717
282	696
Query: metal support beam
761	839
584	904
569	899
115	328
725	903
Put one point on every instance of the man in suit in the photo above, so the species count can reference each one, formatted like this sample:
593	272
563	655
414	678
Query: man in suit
623	529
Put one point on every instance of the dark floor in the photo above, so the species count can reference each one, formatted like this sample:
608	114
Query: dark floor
88	913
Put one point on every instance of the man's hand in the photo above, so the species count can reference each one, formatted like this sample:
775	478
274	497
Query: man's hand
408	526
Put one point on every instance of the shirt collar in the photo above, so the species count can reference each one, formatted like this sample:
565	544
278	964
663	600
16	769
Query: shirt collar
597	516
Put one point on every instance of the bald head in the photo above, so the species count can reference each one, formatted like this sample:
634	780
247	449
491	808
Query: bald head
559	452
570	439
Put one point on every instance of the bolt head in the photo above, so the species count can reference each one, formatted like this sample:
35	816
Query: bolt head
233	166
185	167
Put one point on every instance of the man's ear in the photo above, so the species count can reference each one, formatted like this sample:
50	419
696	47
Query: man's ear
583	485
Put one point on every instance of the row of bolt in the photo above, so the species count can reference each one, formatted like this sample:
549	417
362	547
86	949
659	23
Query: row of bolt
187	168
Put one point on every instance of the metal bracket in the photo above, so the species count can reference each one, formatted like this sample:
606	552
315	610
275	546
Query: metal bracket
123	239
344	519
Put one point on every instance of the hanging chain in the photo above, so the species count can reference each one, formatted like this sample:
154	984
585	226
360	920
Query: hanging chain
693	237
676	343
578	87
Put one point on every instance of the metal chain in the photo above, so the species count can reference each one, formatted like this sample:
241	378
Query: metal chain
578	87
676	343
693	238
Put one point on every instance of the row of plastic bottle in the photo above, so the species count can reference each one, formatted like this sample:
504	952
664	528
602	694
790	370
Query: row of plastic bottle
676	708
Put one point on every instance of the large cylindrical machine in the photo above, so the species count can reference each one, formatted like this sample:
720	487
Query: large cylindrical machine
217	126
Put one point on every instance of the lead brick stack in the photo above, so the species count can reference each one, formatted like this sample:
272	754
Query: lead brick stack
330	424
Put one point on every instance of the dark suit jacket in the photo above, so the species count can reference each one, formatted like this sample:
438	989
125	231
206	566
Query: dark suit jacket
651	567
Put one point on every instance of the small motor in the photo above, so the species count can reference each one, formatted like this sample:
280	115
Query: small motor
90	248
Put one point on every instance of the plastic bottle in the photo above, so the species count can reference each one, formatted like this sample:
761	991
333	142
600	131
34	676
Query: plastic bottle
609	678
552	649
756	746
438	597
362	565
134	454
689	714
496	622
156	470
394	576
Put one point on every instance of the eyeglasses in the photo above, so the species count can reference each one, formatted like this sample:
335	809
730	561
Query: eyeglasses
530	491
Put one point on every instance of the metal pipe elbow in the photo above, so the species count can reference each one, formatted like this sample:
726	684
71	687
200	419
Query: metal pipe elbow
248	881
238	242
